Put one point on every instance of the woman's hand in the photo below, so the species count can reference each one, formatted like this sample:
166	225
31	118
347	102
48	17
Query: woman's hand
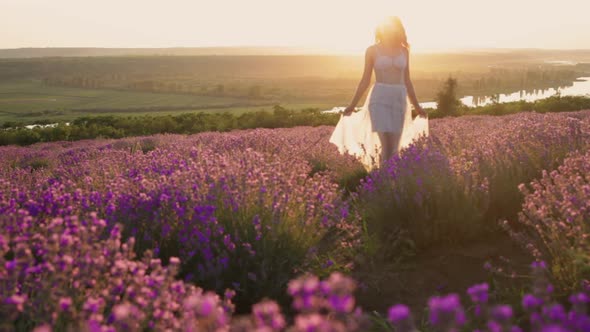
348	111
421	111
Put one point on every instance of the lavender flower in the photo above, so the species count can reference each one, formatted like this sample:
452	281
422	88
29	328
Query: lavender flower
446	312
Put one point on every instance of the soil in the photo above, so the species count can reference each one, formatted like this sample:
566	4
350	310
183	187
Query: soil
440	271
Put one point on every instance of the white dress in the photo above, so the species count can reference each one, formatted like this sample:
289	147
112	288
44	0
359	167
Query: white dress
386	109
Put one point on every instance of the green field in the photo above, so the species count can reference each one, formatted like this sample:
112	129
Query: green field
28	101
50	89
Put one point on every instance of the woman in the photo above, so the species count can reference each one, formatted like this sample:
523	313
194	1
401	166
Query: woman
384	125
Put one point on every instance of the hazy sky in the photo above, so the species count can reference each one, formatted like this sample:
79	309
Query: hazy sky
341	25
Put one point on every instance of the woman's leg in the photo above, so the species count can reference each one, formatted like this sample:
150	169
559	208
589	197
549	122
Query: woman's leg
386	147
389	145
395	141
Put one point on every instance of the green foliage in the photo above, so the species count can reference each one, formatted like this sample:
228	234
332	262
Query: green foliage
421	199
110	126
188	123
63	88
38	164
443	192
446	99
350	181
555	223
317	166
555	103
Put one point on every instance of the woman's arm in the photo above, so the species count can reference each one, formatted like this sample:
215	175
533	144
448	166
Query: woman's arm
410	87
365	81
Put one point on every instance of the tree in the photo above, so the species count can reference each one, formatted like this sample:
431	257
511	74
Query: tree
495	99
446	98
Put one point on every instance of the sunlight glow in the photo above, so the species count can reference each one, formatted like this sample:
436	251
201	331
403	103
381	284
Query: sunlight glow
343	26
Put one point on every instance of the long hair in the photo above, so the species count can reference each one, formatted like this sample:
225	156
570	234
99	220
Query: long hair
396	22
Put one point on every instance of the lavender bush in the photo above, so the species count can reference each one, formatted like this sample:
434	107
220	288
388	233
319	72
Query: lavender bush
241	210
114	234
100	288
456	184
68	274
556	220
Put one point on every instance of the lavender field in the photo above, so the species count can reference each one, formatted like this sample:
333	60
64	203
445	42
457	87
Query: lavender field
256	230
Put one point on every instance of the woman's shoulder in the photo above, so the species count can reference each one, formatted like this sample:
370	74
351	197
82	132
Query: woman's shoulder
371	49
406	52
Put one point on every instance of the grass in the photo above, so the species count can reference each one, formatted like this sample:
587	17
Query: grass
30	101
30	96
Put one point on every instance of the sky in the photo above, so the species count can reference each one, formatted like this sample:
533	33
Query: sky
336	25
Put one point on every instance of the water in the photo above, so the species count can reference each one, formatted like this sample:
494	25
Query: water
50	125
33	126
580	87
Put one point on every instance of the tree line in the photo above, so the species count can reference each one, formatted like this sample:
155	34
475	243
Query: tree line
449	104
187	123
91	127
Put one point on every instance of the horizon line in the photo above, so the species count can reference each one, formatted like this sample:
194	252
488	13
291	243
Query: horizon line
312	49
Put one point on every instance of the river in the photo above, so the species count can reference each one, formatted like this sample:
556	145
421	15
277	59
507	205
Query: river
580	87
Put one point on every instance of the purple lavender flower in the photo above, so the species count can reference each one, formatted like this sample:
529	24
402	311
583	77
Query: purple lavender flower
267	314
531	302
502	313
479	293
446	311
555	313
579	298
539	265
17	300
398	313
554	328
65	303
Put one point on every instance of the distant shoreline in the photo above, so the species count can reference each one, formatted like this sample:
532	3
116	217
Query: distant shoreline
41	52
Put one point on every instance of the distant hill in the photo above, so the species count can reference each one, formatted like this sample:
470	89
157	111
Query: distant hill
513	54
37	52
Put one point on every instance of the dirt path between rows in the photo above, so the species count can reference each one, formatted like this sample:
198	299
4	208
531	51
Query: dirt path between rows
439	271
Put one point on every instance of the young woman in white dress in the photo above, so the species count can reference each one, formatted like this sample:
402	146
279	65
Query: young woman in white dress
384	125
